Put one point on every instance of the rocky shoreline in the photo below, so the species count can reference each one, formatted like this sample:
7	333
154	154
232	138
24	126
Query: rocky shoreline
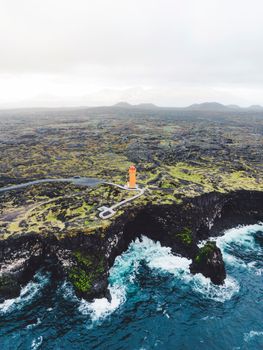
85	260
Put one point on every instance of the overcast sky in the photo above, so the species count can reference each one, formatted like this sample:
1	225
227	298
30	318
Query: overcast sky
98	52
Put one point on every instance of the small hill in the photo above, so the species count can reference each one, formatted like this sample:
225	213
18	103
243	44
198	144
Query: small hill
208	106
146	106
123	105
139	106
256	108
233	106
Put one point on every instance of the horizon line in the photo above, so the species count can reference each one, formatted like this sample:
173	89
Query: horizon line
125	104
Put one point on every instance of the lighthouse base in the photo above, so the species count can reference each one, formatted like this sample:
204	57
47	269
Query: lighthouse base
128	187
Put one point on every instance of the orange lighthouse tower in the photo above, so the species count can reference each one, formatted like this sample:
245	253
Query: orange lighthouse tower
132	177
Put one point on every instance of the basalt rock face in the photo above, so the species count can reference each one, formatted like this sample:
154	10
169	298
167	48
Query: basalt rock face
79	259
85	260
9	287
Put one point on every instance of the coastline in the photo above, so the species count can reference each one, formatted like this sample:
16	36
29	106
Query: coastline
85	260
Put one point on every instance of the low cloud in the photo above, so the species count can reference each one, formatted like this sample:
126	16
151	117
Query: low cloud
167	52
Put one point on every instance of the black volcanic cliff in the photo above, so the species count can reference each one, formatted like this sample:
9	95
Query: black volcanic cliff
86	259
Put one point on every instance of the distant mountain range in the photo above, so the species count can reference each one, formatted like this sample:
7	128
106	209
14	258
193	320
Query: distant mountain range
215	106
206	106
140	106
196	107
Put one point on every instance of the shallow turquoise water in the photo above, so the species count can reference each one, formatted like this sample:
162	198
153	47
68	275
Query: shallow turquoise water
157	304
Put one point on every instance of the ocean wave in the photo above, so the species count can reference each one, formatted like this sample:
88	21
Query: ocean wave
253	266
36	343
211	291
159	258
252	334
180	268
27	293
241	240
242	236
33	325
170	263
67	291
122	277
101	307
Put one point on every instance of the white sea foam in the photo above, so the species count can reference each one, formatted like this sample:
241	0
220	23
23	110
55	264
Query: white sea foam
161	258
68	291
100	308
208	318
252	266
122	276
211	291
170	263
258	272
179	267
252	334
242	236
33	325
26	295
36	343
158	258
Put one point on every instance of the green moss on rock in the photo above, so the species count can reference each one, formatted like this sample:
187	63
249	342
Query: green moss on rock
205	251
185	236
87	270
83	259
81	279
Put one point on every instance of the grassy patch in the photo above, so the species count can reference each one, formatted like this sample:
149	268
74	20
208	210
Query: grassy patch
205	251
185	236
185	172
88	269
81	279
